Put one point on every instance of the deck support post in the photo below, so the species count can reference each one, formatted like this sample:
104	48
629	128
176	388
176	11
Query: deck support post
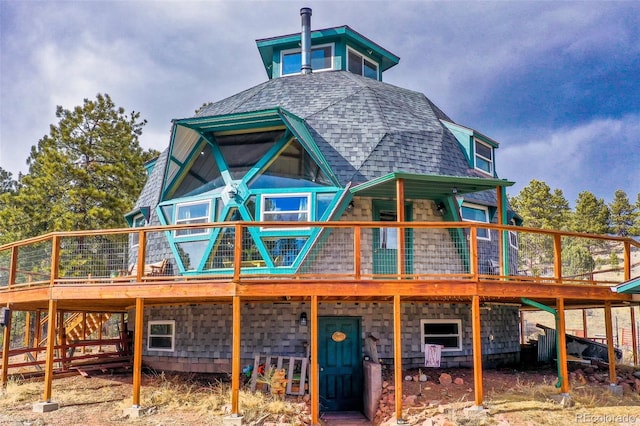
6	345
634	335
315	368
46	405
477	350
235	357
608	324
562	349
397	354
584	323
134	411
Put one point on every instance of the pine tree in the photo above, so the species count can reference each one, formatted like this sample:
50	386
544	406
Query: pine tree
85	174
590	215
623	214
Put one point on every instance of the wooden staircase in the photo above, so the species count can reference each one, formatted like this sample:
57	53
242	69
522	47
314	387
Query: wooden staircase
74	328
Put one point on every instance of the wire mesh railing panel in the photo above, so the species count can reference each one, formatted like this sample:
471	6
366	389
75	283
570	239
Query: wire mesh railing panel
93	256
5	265
33	262
332	254
438	251
592	259
534	254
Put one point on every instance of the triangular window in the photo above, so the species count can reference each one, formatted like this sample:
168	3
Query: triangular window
203	175
242	151
292	168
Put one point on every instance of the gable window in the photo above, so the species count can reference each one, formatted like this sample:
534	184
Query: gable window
358	64
161	335
444	332
476	213
138	222
286	208
195	212
321	59
483	157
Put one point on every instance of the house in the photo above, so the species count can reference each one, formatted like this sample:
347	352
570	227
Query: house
326	215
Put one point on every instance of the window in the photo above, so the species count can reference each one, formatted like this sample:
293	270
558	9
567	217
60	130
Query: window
286	208
321	59
484	157
138	222
358	64
475	213
161	335
513	236
443	332
196	212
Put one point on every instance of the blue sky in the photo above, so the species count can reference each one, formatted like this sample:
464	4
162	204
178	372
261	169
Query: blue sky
556	83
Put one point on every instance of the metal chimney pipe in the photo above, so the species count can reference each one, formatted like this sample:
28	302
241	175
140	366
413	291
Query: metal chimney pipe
305	36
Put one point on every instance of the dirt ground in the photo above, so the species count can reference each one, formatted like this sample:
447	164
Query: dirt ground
511	398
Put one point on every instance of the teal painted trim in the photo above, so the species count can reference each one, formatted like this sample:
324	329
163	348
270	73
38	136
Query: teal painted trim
299	129
630	287
555	314
505	234
222	164
228	122
170	158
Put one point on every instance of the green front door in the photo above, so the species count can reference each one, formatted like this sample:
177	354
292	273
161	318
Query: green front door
340	360
385	240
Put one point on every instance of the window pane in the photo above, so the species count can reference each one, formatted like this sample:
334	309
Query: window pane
483	164
441	328
291	63
193	211
484	150
160	342
162	329
355	63
447	342
322	204
321	58
370	70
477	215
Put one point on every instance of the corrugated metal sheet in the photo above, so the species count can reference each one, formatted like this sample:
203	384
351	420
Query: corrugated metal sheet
547	345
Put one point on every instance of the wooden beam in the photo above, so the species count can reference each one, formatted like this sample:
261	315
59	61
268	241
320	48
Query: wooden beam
51	343
562	343
473	253
477	350
584	324
557	257
357	252
501	234
27	329
315	367
397	354
608	325
634	335
6	345
627	260
142	248
237	252
137	351
12	266
235	357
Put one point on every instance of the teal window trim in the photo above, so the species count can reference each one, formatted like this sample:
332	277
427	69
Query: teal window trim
191	233
363	63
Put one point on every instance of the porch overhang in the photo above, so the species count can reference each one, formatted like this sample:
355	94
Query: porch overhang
426	187
628	287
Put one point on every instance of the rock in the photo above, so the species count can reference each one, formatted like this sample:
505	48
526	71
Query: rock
410	400
445	379
385	384
637	385
408	378
423	377
458	381
636	374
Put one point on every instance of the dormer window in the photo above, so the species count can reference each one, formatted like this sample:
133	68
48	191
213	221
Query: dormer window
321	59
483	157
360	65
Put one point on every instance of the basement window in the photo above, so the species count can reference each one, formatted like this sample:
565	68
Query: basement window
161	336
444	332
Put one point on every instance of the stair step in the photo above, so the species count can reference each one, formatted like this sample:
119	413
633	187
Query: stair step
345	418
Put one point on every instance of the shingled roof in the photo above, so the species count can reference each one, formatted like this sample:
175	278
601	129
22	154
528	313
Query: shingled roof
365	128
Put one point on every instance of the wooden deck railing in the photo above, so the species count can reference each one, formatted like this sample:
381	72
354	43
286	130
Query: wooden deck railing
342	250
